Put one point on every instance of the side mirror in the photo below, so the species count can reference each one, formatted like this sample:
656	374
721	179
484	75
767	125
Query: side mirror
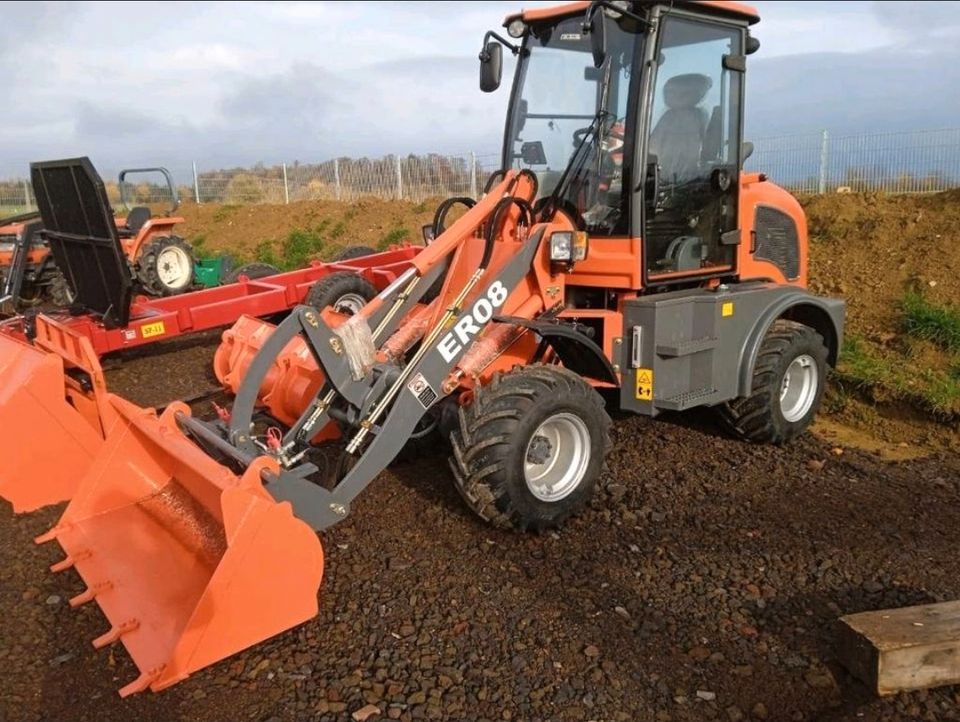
598	38
491	66
532	153
522	111
428	234
746	150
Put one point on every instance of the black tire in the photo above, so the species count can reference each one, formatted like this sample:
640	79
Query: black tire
153	278
494	438
346	291
251	271
351	252
58	290
759	417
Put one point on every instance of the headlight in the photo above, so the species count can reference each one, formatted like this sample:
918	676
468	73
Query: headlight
516	28
561	247
568	247
6	247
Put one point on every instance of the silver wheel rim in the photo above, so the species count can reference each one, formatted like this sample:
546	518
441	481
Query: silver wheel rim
349	304
799	388
174	267
556	457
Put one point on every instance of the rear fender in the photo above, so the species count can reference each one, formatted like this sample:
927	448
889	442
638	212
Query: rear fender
824	315
162	226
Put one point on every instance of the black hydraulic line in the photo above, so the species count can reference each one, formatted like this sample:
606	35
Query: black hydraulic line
440	217
526	217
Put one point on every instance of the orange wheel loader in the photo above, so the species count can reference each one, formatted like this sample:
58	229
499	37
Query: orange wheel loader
620	257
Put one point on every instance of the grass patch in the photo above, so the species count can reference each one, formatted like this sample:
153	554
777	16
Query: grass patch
394	236
266	253
338	230
224	212
935	323
420	208
896	378
199	243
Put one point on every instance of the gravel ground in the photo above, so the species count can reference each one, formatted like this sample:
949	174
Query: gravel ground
703	584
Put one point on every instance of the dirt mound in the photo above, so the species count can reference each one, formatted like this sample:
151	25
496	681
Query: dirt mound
871	249
239	230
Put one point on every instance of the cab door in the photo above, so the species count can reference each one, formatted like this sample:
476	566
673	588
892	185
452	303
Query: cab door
694	127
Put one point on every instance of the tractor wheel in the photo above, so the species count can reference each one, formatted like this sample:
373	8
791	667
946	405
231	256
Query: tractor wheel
59	291
165	266
530	447
788	384
351	252
345	291
251	271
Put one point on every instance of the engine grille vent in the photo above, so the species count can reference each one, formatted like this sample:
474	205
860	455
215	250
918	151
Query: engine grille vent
777	241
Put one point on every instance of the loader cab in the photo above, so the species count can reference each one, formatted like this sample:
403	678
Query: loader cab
644	141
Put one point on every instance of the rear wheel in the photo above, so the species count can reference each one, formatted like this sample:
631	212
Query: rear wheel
165	266
788	384
530	448
351	252
251	271
345	291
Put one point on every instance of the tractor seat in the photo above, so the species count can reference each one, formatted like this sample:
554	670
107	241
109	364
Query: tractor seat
135	220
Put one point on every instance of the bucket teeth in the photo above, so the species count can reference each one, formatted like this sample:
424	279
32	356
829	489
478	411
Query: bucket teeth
89	594
68	561
141	683
115	633
50	535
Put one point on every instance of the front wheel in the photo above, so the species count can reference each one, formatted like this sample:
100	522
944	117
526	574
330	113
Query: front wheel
789	379
530	448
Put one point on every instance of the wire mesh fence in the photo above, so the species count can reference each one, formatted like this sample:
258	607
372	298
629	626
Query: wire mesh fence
909	162
923	161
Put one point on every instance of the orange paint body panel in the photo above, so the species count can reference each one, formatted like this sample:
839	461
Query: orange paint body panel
38	400
728	8
188	562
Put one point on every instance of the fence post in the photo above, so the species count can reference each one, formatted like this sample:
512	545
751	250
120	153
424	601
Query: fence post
824	158
336	176
26	194
399	180
473	174
196	184
286	188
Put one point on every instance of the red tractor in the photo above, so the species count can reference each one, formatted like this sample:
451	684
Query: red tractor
162	262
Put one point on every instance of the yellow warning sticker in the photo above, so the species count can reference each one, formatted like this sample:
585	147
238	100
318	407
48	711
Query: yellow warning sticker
149	330
726	309
645	384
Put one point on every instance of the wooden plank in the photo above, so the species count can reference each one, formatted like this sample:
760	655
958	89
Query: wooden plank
899	649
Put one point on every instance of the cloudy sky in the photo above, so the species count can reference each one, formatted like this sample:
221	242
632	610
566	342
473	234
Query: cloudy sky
235	83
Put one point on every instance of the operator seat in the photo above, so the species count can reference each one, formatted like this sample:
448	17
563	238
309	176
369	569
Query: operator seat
677	138
136	218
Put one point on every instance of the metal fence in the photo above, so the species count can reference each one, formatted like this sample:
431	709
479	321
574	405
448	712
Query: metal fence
923	161
909	162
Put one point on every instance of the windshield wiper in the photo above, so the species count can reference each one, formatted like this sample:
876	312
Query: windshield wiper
575	164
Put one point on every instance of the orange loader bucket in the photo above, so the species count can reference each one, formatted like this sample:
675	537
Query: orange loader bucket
189	562
47	441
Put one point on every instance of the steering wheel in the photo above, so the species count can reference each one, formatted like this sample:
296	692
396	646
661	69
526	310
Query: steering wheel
580	134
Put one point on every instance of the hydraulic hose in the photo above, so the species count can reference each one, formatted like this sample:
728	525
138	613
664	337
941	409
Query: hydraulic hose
526	217
440	217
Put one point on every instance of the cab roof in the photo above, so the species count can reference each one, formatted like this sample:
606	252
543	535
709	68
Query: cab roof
719	7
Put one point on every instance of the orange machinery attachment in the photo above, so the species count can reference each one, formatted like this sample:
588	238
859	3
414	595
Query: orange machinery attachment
52	389
189	562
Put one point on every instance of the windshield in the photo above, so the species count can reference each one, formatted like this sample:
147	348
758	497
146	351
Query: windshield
559	97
